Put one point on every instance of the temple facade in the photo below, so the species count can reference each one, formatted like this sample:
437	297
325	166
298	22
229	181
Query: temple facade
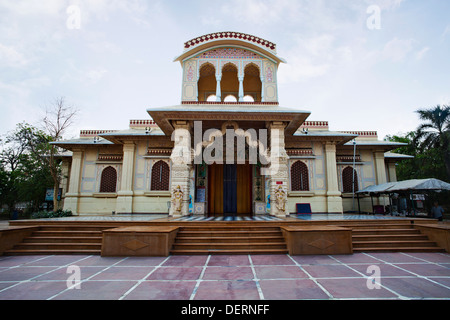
228	148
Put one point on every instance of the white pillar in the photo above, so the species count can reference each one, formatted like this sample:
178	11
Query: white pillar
241	88
124	202
334	200
218	91
279	171
262	89
180	171
71	200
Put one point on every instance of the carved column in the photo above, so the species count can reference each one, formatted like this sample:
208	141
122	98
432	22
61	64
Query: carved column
181	164
334	200
263	99
71	200
241	88
278	171
124	202
218	91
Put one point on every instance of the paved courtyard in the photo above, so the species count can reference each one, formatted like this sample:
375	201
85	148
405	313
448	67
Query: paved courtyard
246	277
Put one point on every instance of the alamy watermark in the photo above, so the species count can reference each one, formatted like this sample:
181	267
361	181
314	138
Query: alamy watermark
373	22
74	280
229	146
73	21
374	280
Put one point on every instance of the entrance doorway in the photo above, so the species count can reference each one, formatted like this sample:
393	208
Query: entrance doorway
229	189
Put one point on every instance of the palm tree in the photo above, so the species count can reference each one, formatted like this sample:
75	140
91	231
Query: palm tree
435	131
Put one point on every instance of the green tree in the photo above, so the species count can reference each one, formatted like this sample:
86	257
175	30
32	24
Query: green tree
434	134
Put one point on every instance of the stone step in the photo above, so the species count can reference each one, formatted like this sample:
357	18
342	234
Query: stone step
68	239
227	251
394	244
229	239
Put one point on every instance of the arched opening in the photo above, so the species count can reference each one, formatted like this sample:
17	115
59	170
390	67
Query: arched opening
299	177
108	181
252	81
249	98
160	176
230	98
212	98
230	82
347	176
207	81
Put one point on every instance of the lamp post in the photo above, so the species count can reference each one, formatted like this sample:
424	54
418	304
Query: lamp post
353	175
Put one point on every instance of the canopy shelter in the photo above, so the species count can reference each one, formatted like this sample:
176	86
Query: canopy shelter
407	188
408	185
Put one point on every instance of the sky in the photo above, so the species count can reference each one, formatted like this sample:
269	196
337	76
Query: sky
359	64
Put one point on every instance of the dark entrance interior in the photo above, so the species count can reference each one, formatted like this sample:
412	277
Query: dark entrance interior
229	189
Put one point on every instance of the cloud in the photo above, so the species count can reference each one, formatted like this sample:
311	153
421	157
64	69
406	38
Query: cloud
397	49
422	53
11	57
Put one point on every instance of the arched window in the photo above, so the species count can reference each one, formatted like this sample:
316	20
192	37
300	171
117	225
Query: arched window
108	181
299	177
160	176
212	98
230	98
347	176
249	98
252	81
207	81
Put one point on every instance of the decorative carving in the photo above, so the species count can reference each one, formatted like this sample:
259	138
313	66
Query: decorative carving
281	199
135	245
321	244
177	199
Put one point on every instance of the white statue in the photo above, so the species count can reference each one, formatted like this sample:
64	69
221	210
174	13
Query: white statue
177	199
280	199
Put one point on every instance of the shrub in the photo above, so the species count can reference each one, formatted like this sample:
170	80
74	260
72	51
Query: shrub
50	214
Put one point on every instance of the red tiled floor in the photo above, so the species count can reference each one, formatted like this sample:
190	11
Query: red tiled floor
62	274
186	261
386	270
123	273
18	260
33	290
354	289
426	269
176	273
319	259
162	290
394	257
279	272
228	273
56	261
237	260
416	288
97	290
330	271
356	258
141	261
291	289
227	290
23	273
271	260
94	261
431	257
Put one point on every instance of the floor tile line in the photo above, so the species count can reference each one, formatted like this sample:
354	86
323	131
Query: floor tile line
143	279
413	273
87	279
200	278
310	277
367	277
39	275
255	279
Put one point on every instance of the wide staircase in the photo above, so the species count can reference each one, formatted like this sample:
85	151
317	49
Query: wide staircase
391	237
60	239
198	240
